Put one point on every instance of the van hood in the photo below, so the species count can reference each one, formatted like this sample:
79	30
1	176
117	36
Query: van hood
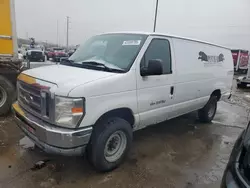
66	78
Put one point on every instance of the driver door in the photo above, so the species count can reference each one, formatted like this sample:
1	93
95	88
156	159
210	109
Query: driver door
156	92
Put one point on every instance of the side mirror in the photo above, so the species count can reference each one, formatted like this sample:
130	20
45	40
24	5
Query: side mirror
154	68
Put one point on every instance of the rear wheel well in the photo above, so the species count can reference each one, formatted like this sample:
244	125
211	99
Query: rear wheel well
217	93
124	113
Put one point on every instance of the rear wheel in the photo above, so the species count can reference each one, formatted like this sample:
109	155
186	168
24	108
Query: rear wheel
7	95
110	143
207	113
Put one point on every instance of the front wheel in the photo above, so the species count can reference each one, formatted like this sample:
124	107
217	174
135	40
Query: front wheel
207	113
110	143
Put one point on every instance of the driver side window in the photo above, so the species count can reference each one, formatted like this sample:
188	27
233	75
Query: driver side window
158	49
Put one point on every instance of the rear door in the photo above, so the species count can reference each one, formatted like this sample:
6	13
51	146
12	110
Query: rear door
156	93
6	44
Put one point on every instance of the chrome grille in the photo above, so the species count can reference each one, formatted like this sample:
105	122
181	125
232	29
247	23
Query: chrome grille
34	99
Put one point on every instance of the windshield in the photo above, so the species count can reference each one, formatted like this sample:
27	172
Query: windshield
119	50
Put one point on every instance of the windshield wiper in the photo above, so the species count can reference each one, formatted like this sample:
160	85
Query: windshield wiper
100	64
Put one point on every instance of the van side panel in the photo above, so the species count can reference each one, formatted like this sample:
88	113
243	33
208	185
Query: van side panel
200	69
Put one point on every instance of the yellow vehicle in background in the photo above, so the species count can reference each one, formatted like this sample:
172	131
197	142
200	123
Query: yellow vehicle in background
10	65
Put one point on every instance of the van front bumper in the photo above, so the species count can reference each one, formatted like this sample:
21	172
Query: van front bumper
52	139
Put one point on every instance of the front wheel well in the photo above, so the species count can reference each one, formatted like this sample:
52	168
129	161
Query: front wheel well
217	93
124	113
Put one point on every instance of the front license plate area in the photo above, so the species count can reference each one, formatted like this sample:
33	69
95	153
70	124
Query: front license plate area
31	129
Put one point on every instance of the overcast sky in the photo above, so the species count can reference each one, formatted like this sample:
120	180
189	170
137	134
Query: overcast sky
225	22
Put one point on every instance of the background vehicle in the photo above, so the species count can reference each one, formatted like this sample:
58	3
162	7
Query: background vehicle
58	53
35	54
237	173
49	53
241	58
244	81
115	84
10	64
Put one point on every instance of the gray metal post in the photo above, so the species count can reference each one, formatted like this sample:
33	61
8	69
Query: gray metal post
156	12
67	39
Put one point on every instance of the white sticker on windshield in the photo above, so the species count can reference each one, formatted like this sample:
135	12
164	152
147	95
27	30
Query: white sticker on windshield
131	42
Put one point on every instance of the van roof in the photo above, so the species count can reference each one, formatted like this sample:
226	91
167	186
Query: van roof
167	35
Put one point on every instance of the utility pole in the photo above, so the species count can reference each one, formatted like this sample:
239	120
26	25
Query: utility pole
67	37
57	30
156	12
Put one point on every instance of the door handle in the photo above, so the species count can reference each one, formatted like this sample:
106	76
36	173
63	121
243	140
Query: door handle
171	90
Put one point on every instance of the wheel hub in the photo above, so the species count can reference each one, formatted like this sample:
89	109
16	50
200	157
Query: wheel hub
115	146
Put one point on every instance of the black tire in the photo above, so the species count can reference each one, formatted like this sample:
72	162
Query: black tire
101	134
8	91
204	114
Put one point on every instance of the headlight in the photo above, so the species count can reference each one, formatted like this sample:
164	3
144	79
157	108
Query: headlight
68	111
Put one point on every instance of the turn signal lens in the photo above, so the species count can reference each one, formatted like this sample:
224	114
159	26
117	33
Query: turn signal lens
76	110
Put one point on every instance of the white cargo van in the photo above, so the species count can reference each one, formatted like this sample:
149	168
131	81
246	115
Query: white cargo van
117	83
